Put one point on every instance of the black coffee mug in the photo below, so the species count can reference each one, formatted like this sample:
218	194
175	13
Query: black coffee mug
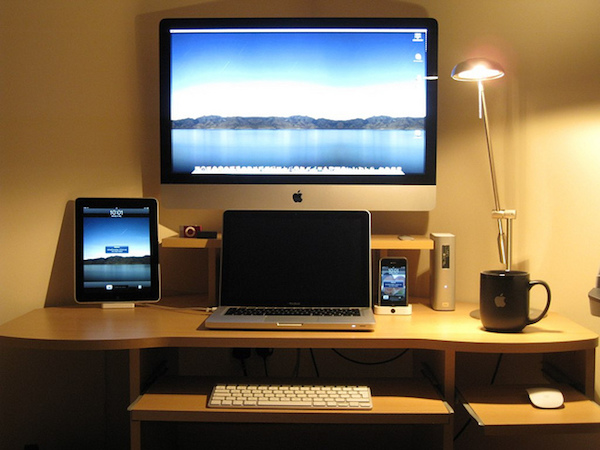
504	300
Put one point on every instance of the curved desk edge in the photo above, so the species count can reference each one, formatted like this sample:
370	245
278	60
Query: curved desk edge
77	328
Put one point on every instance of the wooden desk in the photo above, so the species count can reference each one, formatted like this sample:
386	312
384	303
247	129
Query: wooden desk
436	339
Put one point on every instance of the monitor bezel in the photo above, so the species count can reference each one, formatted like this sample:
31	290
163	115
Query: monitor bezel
169	177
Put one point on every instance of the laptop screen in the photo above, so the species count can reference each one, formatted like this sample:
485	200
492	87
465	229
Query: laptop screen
296	258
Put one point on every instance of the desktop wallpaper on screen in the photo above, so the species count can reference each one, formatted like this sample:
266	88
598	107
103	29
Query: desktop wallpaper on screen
332	102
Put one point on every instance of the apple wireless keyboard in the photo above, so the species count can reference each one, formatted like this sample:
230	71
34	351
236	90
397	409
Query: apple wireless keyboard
290	396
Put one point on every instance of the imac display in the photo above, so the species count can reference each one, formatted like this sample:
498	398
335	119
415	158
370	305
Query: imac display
298	113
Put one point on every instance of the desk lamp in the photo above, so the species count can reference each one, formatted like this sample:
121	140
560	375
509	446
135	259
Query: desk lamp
480	70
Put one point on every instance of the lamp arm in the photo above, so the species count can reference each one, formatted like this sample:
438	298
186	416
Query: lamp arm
483	109
504	244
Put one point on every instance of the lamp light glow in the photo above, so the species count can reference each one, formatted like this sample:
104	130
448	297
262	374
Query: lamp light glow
477	69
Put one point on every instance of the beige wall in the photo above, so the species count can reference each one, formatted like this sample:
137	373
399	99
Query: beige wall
78	117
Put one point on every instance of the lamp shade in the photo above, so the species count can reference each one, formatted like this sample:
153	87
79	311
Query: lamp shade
477	69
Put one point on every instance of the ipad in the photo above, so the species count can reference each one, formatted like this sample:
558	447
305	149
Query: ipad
116	250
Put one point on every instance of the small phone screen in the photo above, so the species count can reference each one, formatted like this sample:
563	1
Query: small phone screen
393	282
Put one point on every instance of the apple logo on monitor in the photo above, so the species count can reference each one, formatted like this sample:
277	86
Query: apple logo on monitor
297	197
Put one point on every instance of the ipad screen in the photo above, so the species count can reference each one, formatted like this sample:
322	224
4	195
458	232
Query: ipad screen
116	254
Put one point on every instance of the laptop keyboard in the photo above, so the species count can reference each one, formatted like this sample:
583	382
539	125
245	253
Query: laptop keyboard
290	396
330	312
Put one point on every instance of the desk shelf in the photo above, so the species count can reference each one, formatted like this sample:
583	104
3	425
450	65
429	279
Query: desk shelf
179	242
381	244
502	410
183	399
378	242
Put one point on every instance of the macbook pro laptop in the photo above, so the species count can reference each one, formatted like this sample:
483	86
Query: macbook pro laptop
295	270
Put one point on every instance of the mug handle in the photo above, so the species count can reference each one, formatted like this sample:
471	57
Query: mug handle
537	319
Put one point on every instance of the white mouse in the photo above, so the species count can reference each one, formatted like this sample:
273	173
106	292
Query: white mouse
545	397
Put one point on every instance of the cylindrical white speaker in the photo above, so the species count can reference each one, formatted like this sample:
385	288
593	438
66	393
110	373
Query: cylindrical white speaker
443	271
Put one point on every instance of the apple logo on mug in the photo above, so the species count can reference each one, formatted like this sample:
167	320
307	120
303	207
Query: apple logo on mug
500	301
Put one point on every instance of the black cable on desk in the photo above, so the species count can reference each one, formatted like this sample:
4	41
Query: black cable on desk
242	354
368	363
265	353
495	374
314	360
